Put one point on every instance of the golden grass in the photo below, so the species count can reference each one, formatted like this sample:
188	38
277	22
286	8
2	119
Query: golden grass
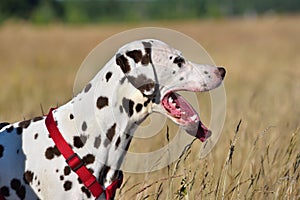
258	158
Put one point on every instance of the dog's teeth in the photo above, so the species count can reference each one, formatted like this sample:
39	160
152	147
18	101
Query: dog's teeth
170	99
194	117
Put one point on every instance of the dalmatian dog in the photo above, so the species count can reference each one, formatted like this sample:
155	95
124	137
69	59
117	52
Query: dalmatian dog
97	125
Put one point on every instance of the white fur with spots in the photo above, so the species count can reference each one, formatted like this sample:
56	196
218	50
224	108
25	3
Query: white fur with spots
99	122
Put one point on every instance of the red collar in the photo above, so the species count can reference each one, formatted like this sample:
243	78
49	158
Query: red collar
76	163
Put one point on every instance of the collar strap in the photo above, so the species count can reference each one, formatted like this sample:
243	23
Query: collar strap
76	163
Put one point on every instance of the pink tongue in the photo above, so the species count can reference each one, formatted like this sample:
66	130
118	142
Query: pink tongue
189	119
187	111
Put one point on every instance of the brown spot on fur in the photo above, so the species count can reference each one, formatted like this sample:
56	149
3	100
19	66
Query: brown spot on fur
108	76
88	159
68	185
37	119
136	55
24	124
111	132
128	105
86	192
102	102
67	170
147	57
123	63
79	141
51	152
118	142
28	177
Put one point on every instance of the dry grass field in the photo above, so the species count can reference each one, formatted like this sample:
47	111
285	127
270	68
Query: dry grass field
256	159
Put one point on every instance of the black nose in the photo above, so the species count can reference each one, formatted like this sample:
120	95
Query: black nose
222	72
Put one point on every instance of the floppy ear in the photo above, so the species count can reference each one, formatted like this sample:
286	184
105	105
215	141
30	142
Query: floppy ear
122	61
138	69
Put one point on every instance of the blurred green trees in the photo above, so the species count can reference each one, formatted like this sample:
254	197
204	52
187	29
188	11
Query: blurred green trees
94	11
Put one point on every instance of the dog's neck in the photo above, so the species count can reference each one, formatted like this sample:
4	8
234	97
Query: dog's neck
99	121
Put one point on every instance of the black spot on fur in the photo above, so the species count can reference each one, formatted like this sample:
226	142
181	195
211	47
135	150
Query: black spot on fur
97	141
61	177
51	152
79	180
123	63
37	119
181	78
68	185
102	102
102	175
1	150
79	141
136	55
88	159
67	170
3	124
138	107
108	76
91	170
147	102
86	192
128	106
118	142
109	135
36	136
4	191
87	87
28	177
111	132
71	116
179	61
84	126
56	151
24	124
147	57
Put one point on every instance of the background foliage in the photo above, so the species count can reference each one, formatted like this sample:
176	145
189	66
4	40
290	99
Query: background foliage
95	11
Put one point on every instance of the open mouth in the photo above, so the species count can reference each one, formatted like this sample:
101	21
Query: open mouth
182	113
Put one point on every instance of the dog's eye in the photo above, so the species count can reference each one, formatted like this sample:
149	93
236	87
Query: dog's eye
179	61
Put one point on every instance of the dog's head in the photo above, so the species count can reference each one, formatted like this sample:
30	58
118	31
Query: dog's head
158	71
